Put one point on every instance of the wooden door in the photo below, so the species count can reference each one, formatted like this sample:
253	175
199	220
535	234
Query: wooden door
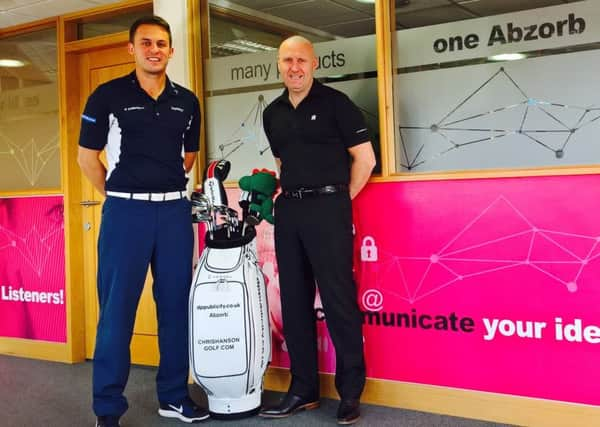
97	66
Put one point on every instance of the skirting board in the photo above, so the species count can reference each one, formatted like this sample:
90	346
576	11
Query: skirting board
493	407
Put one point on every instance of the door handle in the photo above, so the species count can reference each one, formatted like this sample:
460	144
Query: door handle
88	203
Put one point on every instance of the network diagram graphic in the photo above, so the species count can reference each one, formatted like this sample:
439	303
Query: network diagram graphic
31	158
460	128
560	256
248	133
34	246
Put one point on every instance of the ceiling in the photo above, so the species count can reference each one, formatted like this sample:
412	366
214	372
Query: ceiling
15	12
347	18
339	17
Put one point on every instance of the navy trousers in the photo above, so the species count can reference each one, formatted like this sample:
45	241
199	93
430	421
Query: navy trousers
313	241
135	234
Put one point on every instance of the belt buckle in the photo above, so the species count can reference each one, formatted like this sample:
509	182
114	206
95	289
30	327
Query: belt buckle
327	189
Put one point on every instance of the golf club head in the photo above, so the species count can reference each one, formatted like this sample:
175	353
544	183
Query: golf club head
201	207
215	174
220	169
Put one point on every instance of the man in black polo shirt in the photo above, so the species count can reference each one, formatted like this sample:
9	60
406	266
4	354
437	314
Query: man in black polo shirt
149	128
321	145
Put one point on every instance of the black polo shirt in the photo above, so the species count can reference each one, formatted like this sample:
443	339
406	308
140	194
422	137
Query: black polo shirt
312	140
144	138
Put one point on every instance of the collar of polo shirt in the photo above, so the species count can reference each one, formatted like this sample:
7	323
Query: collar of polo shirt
315	90
170	86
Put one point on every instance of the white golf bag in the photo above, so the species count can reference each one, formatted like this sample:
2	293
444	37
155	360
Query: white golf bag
230	340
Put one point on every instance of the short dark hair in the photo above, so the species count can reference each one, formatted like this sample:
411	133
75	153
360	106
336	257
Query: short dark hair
150	20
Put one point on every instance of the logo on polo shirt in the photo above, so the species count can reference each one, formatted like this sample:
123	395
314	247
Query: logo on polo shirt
313	117
177	109
136	107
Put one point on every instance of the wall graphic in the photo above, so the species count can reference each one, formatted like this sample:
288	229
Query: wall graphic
541	111
29	154
32	268
235	129
546	124
485	285
249	132
501	116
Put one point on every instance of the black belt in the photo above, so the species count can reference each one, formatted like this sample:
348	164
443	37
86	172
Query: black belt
301	193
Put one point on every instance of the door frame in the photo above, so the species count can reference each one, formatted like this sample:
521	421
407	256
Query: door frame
75	188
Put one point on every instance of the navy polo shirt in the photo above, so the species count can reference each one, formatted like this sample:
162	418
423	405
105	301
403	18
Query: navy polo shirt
144	138
312	140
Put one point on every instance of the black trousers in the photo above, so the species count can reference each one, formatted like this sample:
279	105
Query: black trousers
313	242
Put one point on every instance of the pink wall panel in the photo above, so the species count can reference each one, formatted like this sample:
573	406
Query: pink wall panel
32	268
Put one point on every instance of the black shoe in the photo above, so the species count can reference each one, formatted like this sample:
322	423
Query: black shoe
108	421
348	411
186	411
289	406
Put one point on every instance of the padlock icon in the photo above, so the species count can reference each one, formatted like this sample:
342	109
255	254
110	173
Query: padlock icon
368	250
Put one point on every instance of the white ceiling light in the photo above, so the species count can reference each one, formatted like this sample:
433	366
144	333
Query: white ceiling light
243	46
507	57
366	1
11	63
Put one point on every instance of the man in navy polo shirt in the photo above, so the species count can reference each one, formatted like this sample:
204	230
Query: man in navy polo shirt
149	128
321	145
